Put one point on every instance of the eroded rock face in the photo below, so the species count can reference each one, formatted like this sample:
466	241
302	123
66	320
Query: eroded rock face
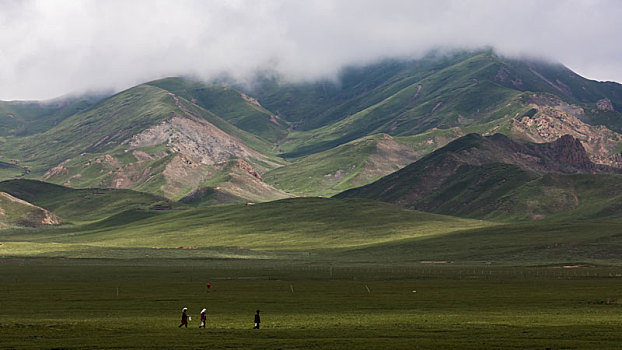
244	167
197	139
555	118
604	105
389	156
569	151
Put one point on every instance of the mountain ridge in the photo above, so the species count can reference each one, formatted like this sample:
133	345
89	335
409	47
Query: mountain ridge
493	177
178	137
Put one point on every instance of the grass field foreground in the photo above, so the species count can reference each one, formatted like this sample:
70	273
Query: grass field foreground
110	304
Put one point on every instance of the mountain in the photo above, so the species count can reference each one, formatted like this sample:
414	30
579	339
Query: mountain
144	138
207	143
468	92
234	106
495	177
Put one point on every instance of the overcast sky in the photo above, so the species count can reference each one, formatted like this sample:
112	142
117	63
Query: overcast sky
50	48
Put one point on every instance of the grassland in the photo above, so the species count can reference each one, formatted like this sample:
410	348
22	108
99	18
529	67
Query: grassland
326	273
101	304
79	206
286	228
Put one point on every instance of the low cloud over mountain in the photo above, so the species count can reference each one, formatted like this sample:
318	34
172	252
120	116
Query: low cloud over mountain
51	48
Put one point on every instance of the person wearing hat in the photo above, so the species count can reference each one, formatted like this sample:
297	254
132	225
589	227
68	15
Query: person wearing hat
184	317
257	320
203	318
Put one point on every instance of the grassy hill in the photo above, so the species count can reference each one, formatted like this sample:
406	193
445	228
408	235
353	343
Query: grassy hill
234	106
102	222
314	230
144	138
23	118
500	179
17	212
349	165
123	224
98	129
536	243
81	205
473	92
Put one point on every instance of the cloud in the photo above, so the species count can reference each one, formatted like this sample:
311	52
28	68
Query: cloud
50	48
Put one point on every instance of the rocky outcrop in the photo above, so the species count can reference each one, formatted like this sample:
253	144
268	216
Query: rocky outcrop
604	105
555	118
570	152
196	139
244	167
476	175
565	155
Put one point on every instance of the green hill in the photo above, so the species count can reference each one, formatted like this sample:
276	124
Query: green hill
144	138
474	92
349	165
535	243
500	179
293	227
23	118
81	205
124	224
17	212
234	106
213	143
314	230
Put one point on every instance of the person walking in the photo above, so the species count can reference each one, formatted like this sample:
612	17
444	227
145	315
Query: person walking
257	320
184	317
203	318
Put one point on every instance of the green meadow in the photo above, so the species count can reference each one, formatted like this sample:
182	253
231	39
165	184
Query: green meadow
133	304
326	273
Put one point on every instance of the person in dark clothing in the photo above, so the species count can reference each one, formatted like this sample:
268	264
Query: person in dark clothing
203	318
184	318
257	320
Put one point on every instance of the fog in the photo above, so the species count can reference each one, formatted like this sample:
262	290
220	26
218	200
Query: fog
52	48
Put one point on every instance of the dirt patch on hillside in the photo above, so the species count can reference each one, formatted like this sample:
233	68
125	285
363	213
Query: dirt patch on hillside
183	173
129	175
390	156
55	171
250	100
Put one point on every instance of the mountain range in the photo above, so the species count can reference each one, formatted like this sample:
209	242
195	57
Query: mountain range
470	134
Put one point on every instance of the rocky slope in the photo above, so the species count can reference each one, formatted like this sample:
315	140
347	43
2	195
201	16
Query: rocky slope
151	140
475	176
552	118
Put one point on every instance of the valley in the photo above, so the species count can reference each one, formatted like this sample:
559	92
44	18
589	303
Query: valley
459	200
